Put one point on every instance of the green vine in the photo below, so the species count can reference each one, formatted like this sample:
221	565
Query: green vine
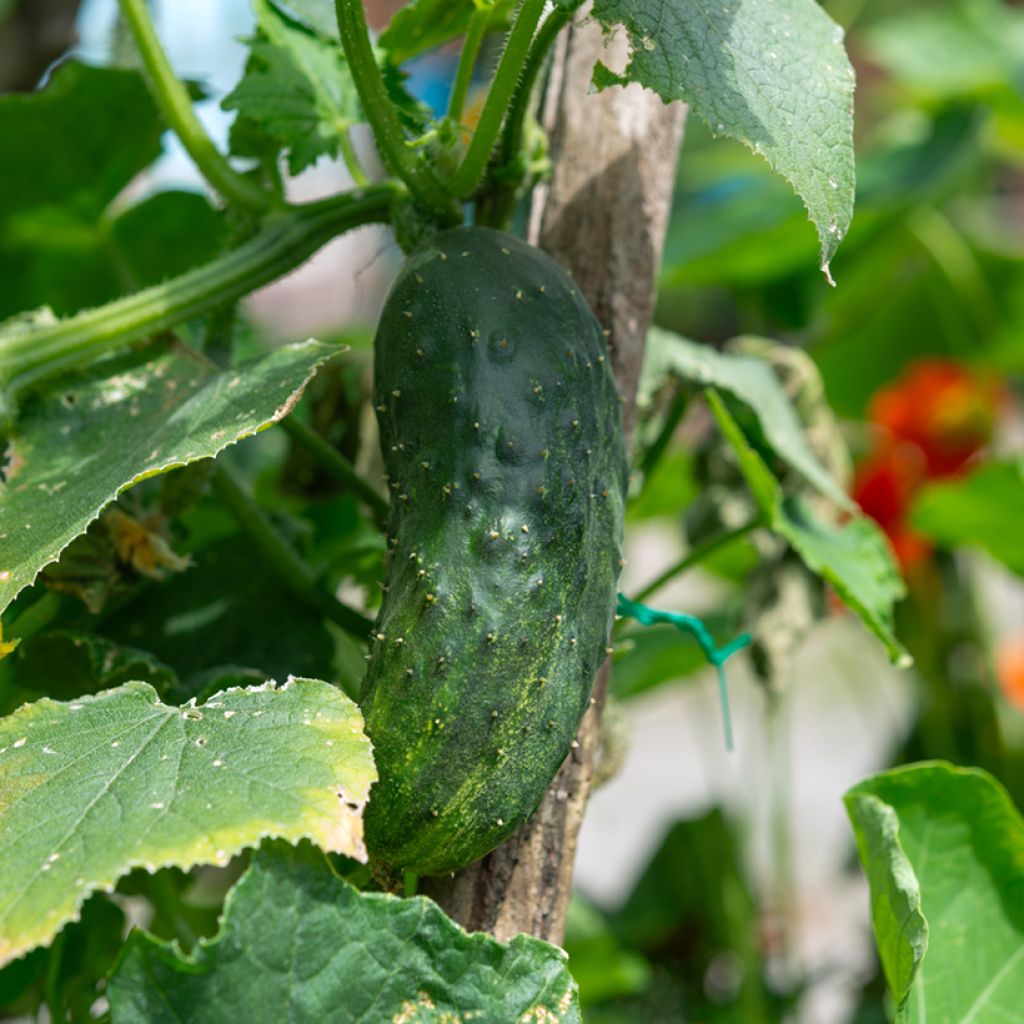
405	162
498	205
291	570
31	351
517	49
174	103
467	62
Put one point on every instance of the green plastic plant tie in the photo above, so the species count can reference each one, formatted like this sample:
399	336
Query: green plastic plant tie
717	656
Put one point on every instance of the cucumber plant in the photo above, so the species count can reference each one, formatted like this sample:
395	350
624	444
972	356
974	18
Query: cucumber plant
502	443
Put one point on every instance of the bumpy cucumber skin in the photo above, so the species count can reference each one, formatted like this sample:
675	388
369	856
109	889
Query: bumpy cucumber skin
502	436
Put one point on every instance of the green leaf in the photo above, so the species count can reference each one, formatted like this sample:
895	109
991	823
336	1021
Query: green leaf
985	509
103	116
771	73
64	665
752	382
692	902
901	931
48	257
317	14
943	849
296	89
161	237
855	558
218	612
964	49
73	971
602	966
299	944
647	658
61	245
423	25
86	954
96	787
75	448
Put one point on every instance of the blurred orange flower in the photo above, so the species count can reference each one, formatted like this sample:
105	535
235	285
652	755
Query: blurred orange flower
1010	668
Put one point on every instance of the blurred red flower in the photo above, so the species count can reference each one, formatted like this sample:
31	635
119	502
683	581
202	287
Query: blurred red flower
945	409
932	421
884	486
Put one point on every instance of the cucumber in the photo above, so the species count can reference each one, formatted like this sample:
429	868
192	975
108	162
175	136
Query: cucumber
501	431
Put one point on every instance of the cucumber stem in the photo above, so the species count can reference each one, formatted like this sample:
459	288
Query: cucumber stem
175	105
695	555
337	465
500	202
30	352
351	159
292	570
517	48
424	188
36	617
467	62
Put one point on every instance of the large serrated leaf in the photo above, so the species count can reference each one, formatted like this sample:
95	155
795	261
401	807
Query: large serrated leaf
854	558
64	664
943	849
771	73
297	88
92	788
752	382
301	945
74	449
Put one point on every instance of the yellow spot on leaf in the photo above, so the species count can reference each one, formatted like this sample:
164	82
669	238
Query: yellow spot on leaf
6	646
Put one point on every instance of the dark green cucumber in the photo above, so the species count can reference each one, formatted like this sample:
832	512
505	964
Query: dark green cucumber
502	438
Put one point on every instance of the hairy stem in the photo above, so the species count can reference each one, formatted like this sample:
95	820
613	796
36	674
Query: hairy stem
423	186
293	572
351	159
337	465
174	103
695	555
501	201
517	49
31	351
467	62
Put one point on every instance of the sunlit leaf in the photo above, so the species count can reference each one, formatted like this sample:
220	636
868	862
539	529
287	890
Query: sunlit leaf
75	448
296	89
854	558
771	73
93	788
943	849
753	383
